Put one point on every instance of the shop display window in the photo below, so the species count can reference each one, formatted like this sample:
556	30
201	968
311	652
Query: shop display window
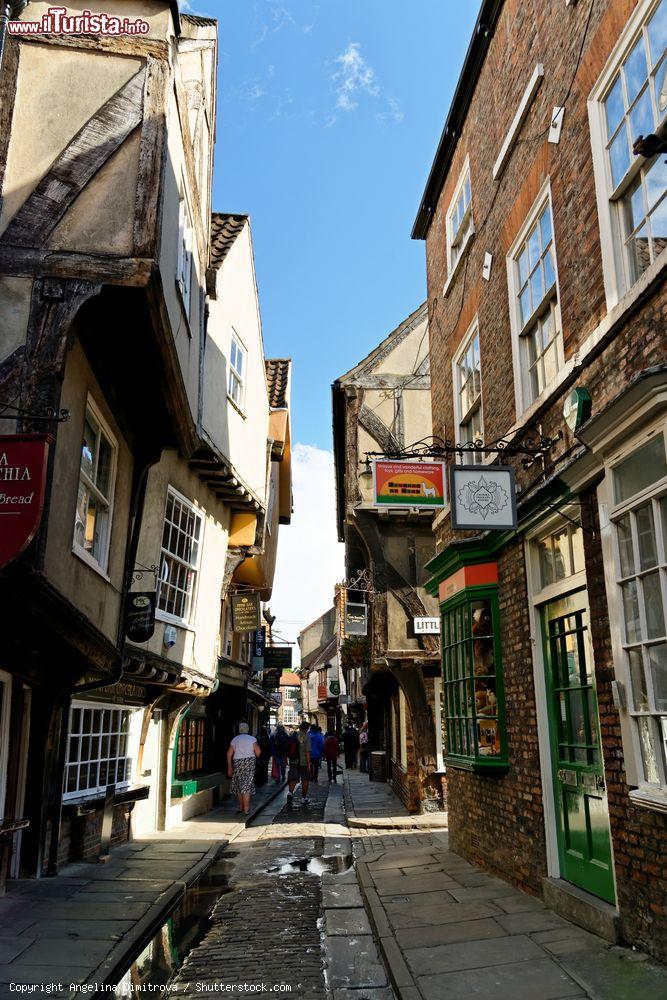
474	716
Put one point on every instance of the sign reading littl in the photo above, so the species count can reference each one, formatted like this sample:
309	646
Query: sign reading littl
23	459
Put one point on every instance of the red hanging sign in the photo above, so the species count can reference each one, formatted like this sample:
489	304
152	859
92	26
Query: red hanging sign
23	459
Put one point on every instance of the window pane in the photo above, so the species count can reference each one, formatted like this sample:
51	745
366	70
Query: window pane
613	107
631	612
624	535
634	201
658	221
657	32
523	266
641	116
658	665
524	305
104	465
534	247
646	537
549	270
537	287
653	609
645	466
88	447
619	153
647	744
636	70
577	550
545	227
638	681
640	252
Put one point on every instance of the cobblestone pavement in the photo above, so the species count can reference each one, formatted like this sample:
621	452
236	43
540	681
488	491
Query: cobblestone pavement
265	929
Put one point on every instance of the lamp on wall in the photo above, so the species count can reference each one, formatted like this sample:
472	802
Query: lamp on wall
367	472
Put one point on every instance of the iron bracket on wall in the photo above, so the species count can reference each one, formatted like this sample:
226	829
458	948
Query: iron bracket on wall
50	416
533	445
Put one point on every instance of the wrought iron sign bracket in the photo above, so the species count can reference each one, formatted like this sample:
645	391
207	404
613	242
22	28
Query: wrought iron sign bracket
533	445
50	416
362	583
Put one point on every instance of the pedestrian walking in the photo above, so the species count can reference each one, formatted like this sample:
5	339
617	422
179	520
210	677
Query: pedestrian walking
364	749
299	764
350	745
241	757
316	750
279	744
331	752
262	766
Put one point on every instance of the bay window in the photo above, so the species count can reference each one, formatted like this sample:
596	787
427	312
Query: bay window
639	516
473	708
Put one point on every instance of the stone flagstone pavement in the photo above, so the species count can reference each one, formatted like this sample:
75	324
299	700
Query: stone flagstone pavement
446	929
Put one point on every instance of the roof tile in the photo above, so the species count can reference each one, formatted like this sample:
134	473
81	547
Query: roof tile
277	377
224	230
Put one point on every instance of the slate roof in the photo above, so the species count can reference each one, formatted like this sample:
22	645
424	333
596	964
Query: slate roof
277	377
224	230
203	22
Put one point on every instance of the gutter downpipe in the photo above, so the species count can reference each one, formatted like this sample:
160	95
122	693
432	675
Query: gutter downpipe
10	10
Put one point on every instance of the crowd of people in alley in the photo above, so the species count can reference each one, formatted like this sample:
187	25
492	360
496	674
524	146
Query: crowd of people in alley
295	755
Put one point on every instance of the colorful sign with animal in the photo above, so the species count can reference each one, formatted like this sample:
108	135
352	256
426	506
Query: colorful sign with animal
409	484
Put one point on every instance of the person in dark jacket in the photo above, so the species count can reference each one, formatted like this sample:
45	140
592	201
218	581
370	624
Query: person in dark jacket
279	747
316	750
331	752
351	745
262	766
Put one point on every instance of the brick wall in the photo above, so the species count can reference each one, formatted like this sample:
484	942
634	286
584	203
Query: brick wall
498	822
80	835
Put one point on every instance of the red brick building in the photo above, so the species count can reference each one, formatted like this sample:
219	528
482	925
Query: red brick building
545	242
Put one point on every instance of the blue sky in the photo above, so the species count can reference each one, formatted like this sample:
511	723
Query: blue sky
328	118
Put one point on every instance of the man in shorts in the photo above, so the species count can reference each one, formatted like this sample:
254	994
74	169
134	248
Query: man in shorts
299	763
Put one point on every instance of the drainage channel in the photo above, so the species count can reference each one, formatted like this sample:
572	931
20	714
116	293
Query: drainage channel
183	929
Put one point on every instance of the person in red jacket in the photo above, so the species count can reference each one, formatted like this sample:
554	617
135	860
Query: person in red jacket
331	752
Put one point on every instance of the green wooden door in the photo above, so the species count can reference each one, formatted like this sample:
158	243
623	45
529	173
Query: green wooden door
582	816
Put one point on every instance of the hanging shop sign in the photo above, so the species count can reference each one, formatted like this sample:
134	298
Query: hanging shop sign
277	697
140	616
483	498
426	626
271	679
409	484
246	612
259	641
278	658
334	688
23	459
356	619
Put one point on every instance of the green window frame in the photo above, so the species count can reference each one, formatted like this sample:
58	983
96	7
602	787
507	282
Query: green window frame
473	694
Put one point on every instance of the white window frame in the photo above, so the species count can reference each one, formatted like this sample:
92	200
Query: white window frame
236	375
647	794
438	697
522	395
185	255
99	565
97	790
466	227
228	634
403	730
617	280
468	458
193	567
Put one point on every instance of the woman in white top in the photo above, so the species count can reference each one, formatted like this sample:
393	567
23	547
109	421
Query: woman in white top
241	756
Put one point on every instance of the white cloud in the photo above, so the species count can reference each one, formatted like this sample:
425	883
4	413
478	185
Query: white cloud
353	78
310	558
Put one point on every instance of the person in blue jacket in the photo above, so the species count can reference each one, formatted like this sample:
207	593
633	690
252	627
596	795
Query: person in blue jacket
316	750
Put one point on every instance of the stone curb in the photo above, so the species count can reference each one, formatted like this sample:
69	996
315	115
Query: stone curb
399	973
426	821
120	957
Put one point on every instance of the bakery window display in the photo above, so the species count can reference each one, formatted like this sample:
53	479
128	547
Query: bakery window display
472	681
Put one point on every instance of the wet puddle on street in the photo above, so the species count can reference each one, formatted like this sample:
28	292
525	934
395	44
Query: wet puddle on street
182	931
313	866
